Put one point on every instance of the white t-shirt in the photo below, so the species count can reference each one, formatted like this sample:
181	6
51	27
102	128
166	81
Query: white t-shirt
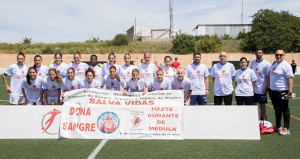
94	84
279	74
98	73
197	75
185	85
42	71
223	75
127	72
61	69
169	72
18	74
244	81
53	87
164	85
136	86
71	85
147	72
113	84
79	69
33	91
106	66
261	70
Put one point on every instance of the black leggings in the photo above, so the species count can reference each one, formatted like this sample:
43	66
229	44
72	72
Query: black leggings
219	99
243	100
281	107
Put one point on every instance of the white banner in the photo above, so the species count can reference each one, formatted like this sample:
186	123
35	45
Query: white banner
29	122
102	114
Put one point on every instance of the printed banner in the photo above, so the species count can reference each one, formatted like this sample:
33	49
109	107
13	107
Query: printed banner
101	114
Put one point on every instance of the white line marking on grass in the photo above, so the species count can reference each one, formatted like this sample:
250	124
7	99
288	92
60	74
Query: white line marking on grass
3	100
98	149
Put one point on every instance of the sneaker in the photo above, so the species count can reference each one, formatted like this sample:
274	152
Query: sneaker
277	130
285	132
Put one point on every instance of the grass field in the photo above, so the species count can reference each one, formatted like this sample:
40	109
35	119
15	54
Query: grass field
270	146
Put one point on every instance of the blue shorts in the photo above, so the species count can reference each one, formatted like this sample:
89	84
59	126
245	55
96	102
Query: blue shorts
198	100
260	99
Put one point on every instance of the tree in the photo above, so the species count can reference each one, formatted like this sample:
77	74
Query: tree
120	39
183	44
273	30
26	41
208	43
93	40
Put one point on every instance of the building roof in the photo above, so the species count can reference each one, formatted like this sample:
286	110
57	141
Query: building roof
221	25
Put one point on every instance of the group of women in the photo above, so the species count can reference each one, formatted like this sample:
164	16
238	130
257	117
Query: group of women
45	85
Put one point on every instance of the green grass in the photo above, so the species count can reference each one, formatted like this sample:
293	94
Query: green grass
270	146
102	47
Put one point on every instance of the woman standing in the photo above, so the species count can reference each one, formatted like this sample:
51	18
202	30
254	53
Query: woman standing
127	68
52	87
32	87
42	70
244	80
94	66
169	71
59	65
79	66
111	62
113	81
89	81
18	73
147	70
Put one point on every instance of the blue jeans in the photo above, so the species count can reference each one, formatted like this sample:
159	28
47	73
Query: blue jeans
198	100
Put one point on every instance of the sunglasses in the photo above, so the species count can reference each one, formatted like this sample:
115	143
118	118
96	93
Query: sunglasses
280	55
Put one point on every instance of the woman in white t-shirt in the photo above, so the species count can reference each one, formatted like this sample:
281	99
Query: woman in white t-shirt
182	82
244	80
160	82
113	81
52	87
32	87
79	66
42	70
136	84
97	69
18	73
127	68
90	81
71	82
147	70
169	71
59	65
111	62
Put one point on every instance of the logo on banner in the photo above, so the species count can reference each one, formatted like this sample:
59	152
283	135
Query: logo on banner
136	121
48	120
108	122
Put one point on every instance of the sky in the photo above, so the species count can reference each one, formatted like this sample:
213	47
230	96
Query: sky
50	21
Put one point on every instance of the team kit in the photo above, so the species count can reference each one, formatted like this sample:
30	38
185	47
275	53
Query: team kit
46	85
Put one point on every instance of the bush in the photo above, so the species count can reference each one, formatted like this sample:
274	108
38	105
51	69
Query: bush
120	39
183	44
208	43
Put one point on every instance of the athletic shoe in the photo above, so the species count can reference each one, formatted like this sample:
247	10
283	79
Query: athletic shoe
285	132
277	130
